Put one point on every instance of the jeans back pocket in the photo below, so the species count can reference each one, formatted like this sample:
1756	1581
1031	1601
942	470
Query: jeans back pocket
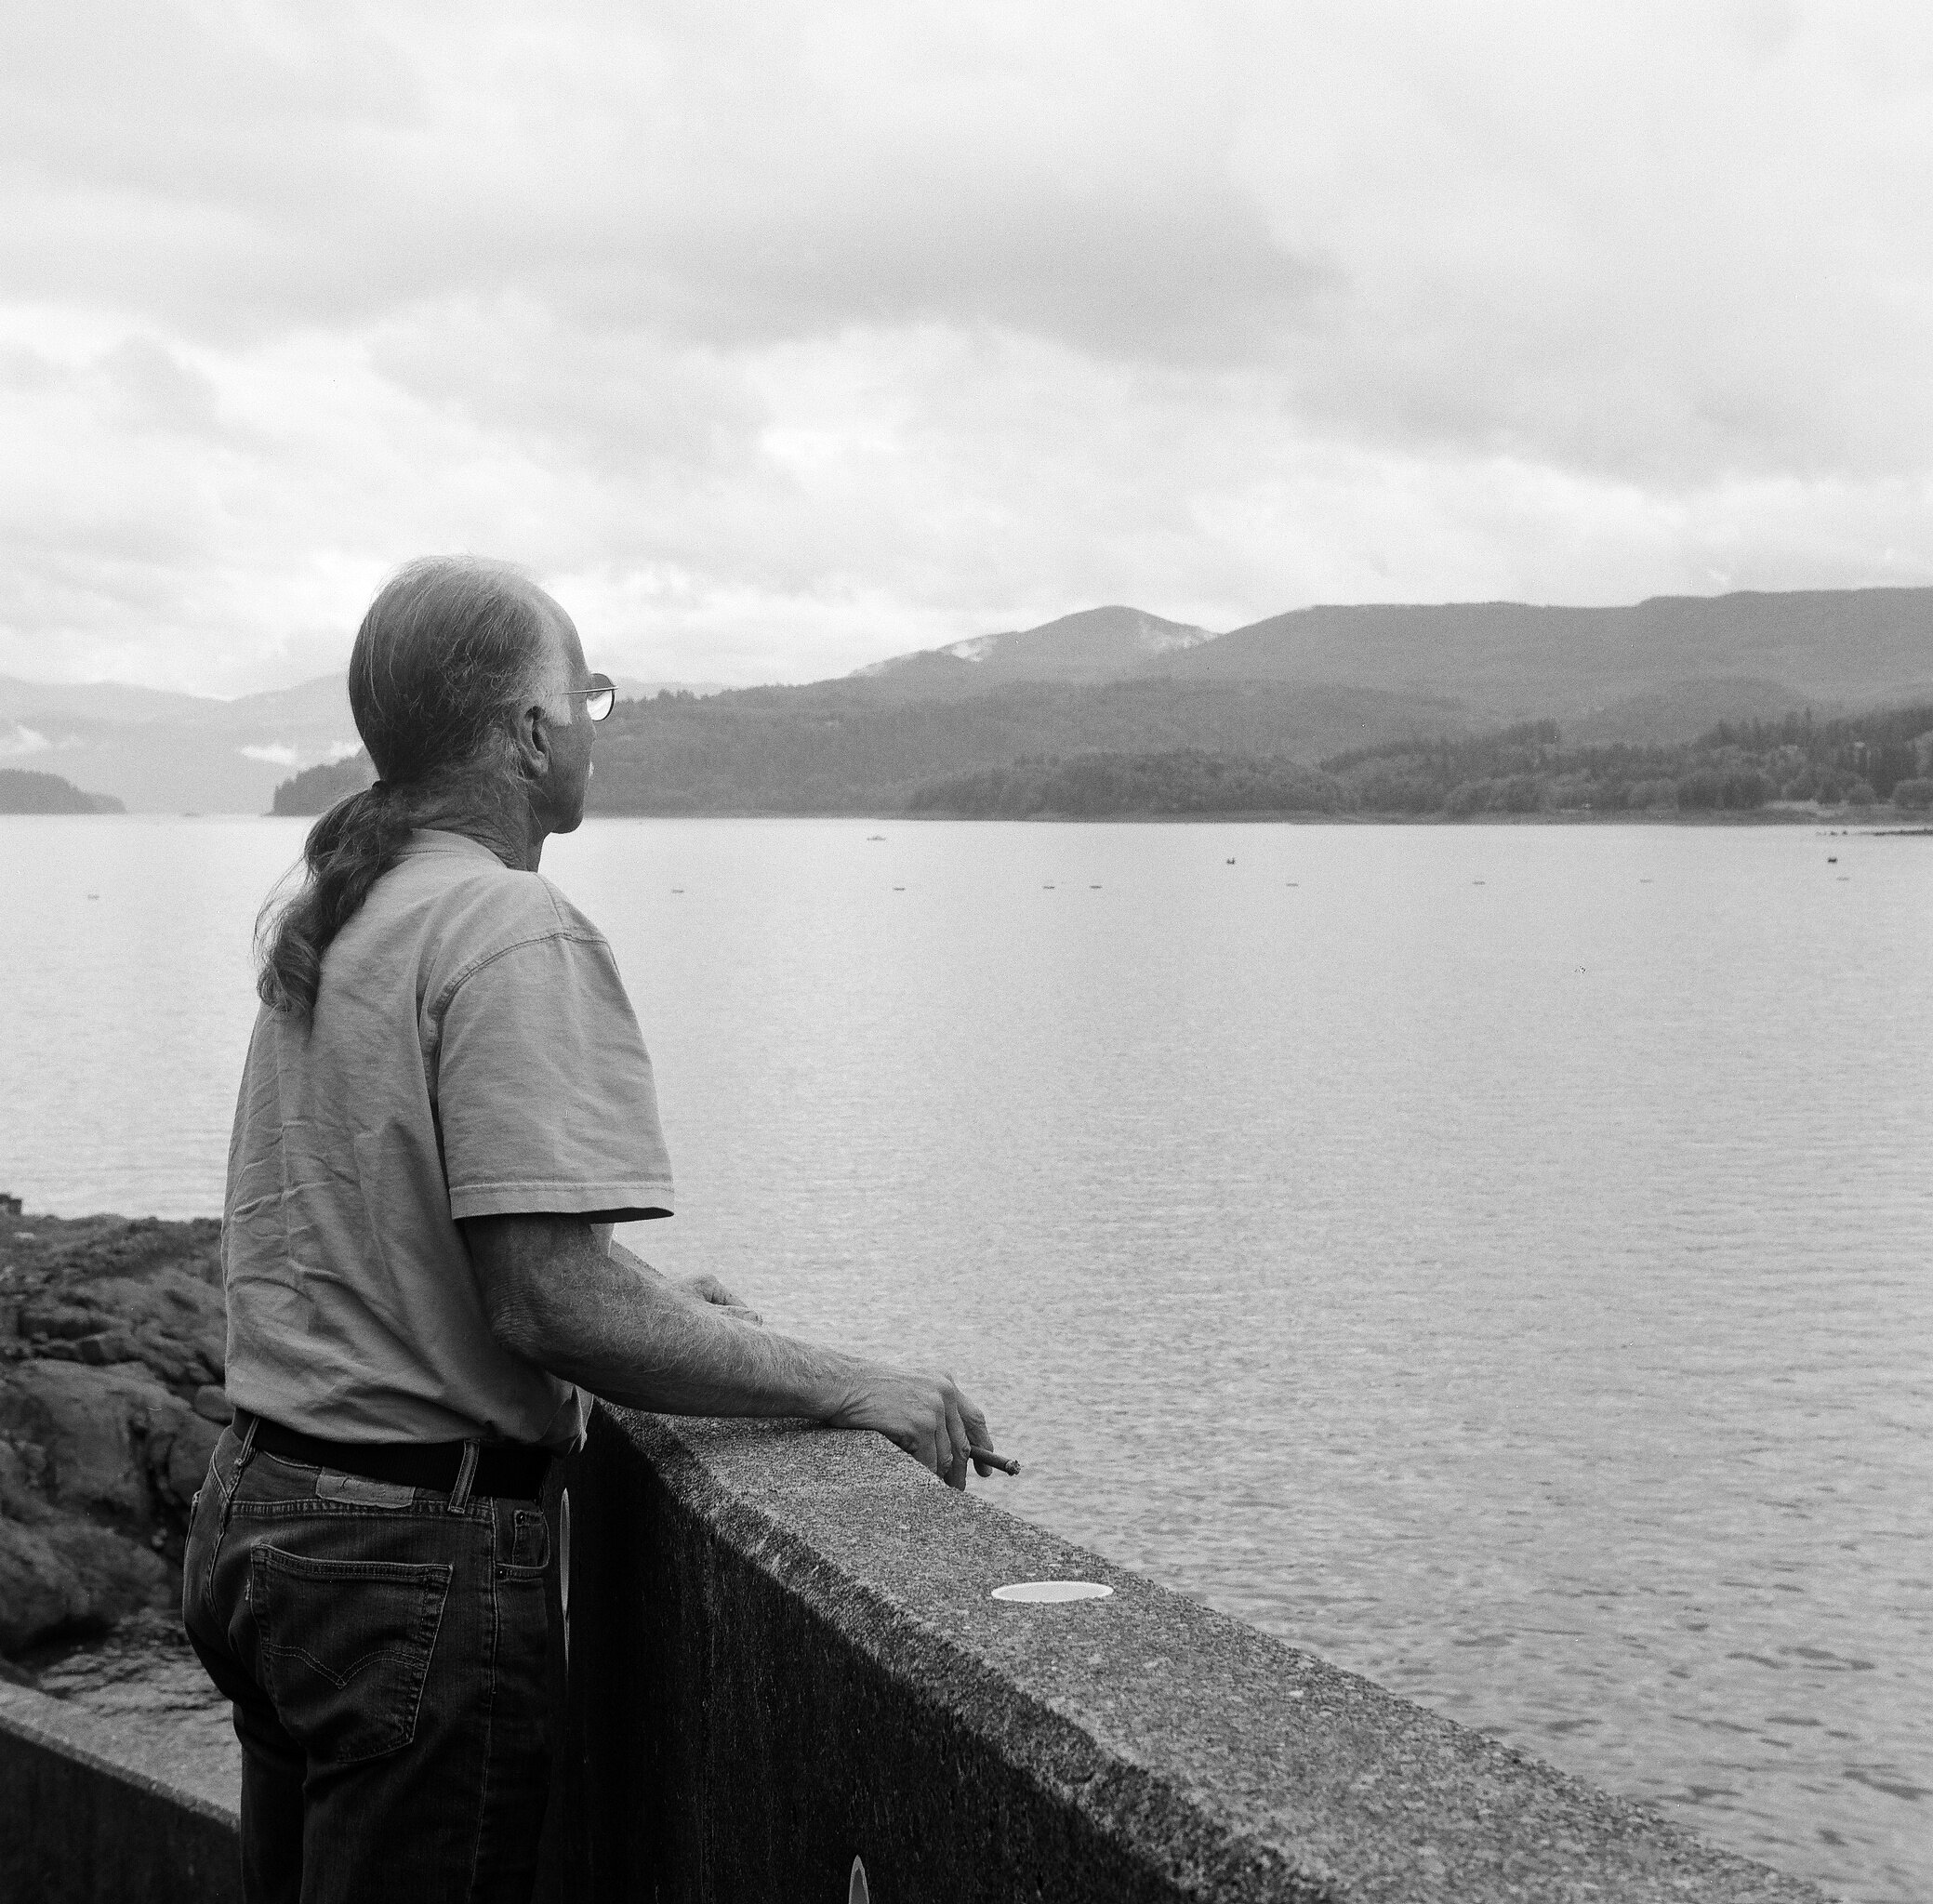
344	1647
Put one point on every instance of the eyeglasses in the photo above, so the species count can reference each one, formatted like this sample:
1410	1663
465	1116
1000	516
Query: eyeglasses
600	697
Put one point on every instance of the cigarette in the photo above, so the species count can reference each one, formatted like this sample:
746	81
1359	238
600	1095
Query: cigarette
987	1457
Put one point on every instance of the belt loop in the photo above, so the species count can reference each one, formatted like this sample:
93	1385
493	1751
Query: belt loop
459	1494
243	1456
246	1448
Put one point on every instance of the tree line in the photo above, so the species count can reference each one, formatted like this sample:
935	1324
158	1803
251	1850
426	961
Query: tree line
1146	747
1857	761
316	790
1093	786
22	791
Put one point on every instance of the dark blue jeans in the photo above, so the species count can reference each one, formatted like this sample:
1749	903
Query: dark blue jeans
384	1647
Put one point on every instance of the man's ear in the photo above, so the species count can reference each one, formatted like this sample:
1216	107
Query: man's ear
531	739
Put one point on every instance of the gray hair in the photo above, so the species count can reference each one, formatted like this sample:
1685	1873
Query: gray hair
449	647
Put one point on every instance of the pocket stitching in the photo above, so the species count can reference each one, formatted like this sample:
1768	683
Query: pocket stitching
527	1570
425	1623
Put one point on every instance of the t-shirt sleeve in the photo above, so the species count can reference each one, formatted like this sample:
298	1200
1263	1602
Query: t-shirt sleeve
544	1089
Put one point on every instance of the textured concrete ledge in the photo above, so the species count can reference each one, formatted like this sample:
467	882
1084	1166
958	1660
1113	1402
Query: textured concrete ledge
86	1817
784	1655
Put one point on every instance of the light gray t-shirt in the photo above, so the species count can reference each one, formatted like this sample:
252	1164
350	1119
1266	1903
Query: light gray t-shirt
473	1052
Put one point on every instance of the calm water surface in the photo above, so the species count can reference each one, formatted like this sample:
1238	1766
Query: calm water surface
1495	1259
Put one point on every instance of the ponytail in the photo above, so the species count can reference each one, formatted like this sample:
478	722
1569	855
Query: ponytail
348	849
442	655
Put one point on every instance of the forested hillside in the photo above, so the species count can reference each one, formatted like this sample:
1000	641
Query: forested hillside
1858	759
164	753
847	746
1164	748
24	792
316	790
1185	782
1854	647
1526	769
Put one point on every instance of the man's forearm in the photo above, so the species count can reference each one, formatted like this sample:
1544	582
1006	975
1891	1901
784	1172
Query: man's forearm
558	1295
612	1324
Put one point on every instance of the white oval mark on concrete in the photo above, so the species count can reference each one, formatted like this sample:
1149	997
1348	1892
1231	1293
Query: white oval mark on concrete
857	1890
1048	1591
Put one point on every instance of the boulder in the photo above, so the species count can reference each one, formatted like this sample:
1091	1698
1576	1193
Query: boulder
111	1349
109	1345
92	1425
72	1578
21	1499
170	1319
178	1462
39	1594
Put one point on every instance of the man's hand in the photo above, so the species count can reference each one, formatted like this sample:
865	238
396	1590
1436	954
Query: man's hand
708	1289
925	1414
704	1288
559	1293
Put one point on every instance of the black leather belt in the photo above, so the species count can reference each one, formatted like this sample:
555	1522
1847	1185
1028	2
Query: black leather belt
508	1468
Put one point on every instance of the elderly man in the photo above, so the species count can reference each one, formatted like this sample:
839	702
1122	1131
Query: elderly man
445	1107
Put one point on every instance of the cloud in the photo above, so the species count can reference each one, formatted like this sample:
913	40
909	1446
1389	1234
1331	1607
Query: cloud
282	754
21	740
782	338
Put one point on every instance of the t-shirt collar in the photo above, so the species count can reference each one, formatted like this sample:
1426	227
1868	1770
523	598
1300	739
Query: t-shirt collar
435	840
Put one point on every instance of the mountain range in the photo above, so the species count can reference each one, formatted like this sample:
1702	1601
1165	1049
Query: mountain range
1306	684
1096	644
156	752
1305	687
161	752
1741	656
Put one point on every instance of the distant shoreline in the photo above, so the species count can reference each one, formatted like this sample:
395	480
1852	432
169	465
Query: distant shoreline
1884	819
1834	820
1828	822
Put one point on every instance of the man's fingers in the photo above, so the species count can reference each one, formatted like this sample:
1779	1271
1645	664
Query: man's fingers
944	1457
963	1442
927	1417
708	1289
977	1432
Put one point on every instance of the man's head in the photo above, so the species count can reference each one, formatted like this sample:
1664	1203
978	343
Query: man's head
469	690
467	683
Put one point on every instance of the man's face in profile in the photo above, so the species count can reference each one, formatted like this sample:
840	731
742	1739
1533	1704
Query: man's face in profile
567	723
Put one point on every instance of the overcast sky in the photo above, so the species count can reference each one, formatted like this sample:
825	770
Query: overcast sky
777	339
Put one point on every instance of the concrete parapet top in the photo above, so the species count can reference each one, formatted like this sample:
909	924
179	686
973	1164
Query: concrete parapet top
1232	1765
125	1755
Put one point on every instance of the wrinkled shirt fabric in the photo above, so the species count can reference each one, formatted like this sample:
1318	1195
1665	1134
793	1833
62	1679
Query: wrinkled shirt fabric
473	1052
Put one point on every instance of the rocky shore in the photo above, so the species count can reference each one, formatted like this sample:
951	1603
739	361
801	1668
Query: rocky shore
111	1345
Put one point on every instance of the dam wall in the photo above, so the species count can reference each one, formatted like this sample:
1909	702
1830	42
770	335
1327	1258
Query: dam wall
782	1676
787	1667
90	1814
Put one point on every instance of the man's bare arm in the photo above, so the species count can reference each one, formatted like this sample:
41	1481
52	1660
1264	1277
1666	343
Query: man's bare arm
555	1296
701	1289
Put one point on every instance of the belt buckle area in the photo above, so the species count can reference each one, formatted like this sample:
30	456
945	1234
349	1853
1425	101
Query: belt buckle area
358	1490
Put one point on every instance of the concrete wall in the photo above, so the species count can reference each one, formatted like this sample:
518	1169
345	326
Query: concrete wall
784	1655
87	1819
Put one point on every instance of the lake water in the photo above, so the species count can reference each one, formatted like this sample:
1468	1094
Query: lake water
1496	1259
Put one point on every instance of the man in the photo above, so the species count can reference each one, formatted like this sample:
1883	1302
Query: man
446	1105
